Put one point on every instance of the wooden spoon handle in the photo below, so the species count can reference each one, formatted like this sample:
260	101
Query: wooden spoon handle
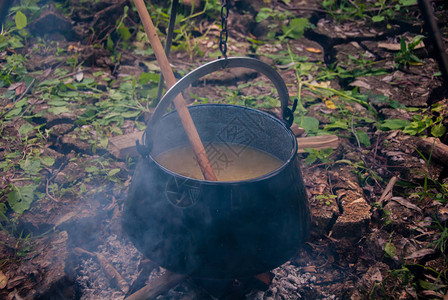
179	103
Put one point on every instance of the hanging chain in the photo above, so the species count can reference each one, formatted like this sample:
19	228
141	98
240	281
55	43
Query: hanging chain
224	35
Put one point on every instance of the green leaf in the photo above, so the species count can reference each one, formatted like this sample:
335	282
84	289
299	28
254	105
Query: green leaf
20	20
124	32
296	28
310	159
130	114
83	188
392	124
140	125
58	110
310	124
390	249
378	18
47	160
113	172
407	2
25	129
91	169
21	198
31	166
109	43
338	124
145	78
363	138
263	14
402	45
104	141
438	130
50	82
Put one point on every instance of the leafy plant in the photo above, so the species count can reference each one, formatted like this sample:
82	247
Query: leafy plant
294	29
406	56
442	241
318	155
277	18
326	198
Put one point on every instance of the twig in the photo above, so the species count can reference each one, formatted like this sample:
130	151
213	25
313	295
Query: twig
376	147
354	4
387	193
330	163
110	271
158	286
354	133
48	193
69	74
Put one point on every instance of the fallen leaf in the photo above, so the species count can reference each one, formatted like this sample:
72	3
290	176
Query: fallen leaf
406	203
3	280
21	88
73	48
322	84
313	50
65	218
420	254
15	85
360	83
79	76
330	104
309	269
15	282
45	74
433	294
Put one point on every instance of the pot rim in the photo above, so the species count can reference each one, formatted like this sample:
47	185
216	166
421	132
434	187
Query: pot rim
291	158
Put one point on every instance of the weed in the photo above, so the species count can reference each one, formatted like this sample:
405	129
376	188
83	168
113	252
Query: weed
318	155
276	18
406	56
442	241
326	198
374	11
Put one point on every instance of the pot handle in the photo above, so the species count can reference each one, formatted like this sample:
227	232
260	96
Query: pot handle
223	63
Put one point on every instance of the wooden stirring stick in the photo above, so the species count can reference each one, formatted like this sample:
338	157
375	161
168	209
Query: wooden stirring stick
184	114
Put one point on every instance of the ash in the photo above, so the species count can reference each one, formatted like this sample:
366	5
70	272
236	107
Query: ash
288	283
92	281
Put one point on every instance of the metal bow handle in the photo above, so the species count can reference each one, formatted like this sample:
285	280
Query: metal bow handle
223	63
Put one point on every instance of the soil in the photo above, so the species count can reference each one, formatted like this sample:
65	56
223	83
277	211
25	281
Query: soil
361	246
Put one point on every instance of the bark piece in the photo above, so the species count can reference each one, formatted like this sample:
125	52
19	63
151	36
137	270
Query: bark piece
354	220
317	142
434	147
124	145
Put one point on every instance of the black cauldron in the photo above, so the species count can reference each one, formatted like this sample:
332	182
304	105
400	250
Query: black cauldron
219	229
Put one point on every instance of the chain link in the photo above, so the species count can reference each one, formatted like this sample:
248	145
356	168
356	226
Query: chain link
224	35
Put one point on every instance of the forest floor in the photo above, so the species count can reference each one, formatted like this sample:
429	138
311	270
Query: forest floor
75	75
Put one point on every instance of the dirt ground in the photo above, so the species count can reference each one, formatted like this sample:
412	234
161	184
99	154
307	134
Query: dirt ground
363	243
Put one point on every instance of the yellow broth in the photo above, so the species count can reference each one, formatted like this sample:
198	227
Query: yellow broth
230	162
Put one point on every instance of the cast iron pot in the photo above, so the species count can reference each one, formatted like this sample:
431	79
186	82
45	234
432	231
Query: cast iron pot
220	229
